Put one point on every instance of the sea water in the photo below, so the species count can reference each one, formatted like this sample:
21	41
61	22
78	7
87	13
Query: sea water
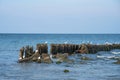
99	68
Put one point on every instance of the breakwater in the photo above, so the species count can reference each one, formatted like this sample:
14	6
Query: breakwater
41	53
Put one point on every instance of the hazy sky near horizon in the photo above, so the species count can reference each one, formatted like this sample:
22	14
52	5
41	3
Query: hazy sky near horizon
59	16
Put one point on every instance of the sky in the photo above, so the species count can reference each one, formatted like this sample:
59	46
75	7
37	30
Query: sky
60	16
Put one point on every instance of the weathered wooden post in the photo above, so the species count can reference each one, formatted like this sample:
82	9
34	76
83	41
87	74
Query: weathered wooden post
21	54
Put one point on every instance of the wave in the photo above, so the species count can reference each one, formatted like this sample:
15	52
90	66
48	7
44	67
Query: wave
115	52
108	57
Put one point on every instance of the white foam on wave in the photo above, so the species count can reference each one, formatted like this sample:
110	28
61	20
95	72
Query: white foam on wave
109	57
115	52
100	56
53	59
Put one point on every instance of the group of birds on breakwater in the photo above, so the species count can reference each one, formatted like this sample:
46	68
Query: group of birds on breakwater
61	51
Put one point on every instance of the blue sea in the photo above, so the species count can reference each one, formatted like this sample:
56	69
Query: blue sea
96	69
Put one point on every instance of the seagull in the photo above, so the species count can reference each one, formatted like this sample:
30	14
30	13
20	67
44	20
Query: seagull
46	42
20	58
39	57
66	42
97	43
91	43
36	51
51	57
23	56
108	43
83	42
88	41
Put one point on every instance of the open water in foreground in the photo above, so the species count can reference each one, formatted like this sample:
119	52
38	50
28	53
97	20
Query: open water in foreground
101	68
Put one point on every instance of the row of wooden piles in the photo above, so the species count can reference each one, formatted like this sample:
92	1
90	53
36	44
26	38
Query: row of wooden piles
64	48
67	48
91	48
103	47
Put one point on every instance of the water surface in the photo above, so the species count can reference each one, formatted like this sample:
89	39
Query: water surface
96	69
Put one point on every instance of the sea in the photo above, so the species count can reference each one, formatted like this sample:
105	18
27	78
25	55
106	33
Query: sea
98	68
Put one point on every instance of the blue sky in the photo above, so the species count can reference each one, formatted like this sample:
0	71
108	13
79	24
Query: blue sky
59	16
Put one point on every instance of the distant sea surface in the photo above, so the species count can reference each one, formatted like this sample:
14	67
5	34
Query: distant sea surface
96	69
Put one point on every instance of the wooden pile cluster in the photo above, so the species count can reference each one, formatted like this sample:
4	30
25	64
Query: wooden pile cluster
42	48
64	48
29	51
29	54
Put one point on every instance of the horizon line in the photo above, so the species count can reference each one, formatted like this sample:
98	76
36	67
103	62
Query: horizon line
59	33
